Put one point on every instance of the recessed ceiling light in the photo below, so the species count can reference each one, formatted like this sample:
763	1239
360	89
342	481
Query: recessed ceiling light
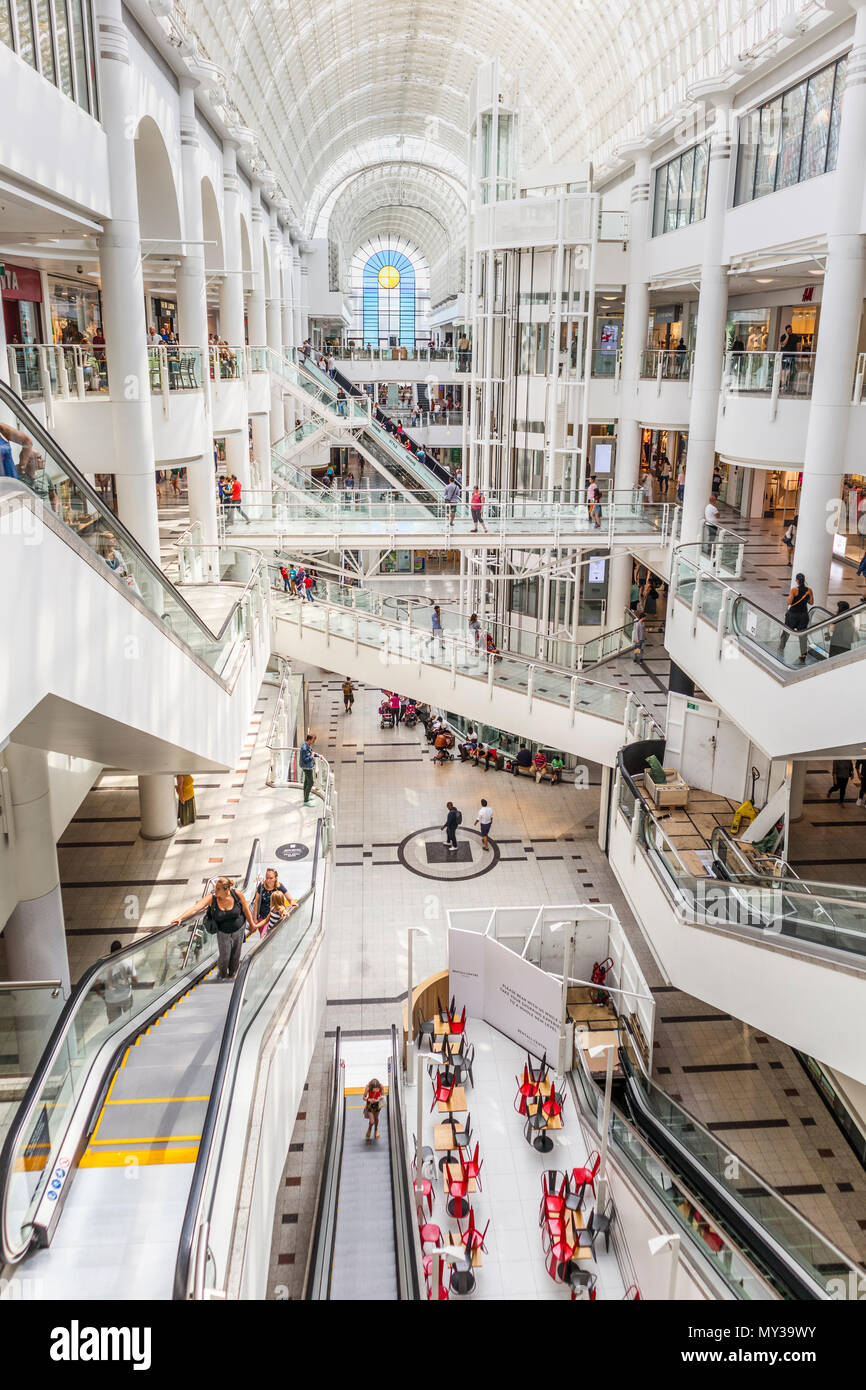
764	282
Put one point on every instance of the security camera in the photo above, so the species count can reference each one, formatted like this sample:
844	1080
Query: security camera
79	270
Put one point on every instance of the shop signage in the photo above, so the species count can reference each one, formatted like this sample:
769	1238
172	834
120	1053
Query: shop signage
20	282
668	313
808	294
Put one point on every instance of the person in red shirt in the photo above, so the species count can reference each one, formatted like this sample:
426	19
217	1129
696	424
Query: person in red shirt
309	581
236	497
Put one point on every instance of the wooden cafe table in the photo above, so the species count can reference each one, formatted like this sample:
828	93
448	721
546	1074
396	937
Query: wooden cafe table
445	1137
457	1102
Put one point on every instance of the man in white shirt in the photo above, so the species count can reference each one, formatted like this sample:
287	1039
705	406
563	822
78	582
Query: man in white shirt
647	488
484	820
712	518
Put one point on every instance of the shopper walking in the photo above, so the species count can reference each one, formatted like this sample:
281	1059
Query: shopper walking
475	629
639	638
712	518
593	502
436	624
476	506
452	497
789	539
843	769
236	498
348	694
484	820
797	616
309	585
307	761
681	484
842	633
373	1099
452	820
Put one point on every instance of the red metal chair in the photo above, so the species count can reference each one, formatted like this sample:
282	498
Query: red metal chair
559	1256
632	1294
427	1230
585	1177
472	1238
474	1164
527	1089
553	1185
457	1189
553	1105
442	1091
458	1025
427	1264
424	1188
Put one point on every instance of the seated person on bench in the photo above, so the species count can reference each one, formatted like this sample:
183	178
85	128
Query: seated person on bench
523	760
468	746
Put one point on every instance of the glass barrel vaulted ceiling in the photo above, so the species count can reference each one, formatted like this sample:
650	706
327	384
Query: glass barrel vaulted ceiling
335	88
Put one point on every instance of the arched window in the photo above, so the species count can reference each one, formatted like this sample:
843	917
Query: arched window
389	299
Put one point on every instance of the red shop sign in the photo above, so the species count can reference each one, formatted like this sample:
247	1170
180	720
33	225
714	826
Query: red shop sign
20	282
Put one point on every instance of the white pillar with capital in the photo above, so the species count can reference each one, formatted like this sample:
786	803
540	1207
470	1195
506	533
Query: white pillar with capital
712	318
287	290
256	304
123	290
836	353
232	303
274	304
192	313
636	318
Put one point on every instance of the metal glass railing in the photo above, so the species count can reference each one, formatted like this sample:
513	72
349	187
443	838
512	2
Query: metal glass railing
50	475
266	973
666	364
827	636
150	968
789	909
174	367
57	370
449	651
729	1262
770	373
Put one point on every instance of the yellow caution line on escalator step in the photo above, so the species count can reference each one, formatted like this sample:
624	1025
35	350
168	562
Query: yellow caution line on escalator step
120	1158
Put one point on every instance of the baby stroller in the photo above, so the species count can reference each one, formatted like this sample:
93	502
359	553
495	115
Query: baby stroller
410	718
386	716
444	745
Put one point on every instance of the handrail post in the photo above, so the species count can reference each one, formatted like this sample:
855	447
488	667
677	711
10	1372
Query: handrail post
696	599
491	667
629	705
453	663
355	627
14	376
659	374
163	378
80	385
572	700
722	625
777	385
45	382
635	827
530	683
327	625
62	374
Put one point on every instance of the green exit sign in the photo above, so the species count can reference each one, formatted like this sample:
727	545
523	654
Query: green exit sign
690	704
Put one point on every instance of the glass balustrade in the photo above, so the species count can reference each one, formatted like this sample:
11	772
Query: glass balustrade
827	637
227	363
173	367
70	500
763	373
667	364
149	967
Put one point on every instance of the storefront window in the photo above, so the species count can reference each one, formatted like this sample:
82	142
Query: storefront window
75	311
681	190
748	330
793	137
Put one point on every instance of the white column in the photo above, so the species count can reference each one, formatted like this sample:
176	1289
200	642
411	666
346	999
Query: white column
710	338
123	290
297	316
35	935
256	310
287	290
836	354
238	458
304	297
618	588
192	314
635	320
232	288
274	305
262	449
798	790
157	801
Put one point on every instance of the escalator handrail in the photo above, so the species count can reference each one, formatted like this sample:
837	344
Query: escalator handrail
781	1259
64	1022
51	446
320	1264
402	1204
221	1071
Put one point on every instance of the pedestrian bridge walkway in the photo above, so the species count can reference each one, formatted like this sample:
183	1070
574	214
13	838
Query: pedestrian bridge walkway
534	699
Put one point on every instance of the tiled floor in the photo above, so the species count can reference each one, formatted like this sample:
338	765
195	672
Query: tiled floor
828	845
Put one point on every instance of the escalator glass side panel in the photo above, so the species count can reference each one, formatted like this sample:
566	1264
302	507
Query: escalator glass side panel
118	989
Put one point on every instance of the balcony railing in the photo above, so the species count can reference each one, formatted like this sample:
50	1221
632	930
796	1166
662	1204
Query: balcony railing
666	364
773	374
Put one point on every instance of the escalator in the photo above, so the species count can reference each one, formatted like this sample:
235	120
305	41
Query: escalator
364	1244
759	1244
108	1174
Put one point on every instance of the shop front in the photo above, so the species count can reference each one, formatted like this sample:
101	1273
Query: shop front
163	315
22	304
76	310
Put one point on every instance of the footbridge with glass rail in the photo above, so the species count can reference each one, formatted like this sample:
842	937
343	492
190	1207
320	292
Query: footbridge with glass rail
580	715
